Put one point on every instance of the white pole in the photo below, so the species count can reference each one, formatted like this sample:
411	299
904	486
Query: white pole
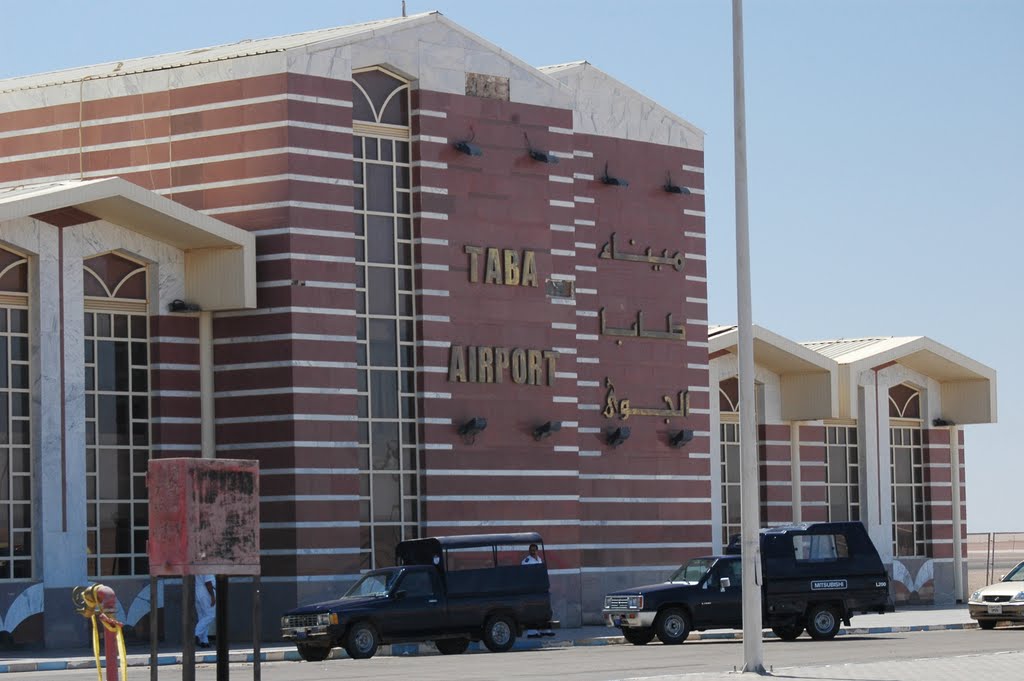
753	649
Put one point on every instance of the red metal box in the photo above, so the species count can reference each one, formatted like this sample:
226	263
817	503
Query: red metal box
204	517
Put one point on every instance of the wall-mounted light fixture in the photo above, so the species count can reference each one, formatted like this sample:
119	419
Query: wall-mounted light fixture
614	181
538	155
673	188
618	436
938	423
467	147
545	430
681	438
471	428
179	305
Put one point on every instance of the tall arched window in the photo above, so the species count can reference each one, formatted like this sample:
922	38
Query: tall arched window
15	419
910	532
386	341
729	457
116	414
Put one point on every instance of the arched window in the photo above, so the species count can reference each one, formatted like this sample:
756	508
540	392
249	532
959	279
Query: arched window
729	456
910	530
15	419
385	318
116	414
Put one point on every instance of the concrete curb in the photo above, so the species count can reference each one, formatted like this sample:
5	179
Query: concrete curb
416	649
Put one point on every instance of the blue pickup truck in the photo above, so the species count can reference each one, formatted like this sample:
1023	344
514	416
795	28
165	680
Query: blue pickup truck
450	590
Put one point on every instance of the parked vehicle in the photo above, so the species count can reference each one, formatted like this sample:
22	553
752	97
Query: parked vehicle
1002	601
814	576
450	590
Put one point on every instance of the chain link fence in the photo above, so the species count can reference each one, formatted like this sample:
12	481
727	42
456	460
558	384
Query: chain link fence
991	555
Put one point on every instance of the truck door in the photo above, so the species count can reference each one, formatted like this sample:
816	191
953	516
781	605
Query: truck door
417	605
722	606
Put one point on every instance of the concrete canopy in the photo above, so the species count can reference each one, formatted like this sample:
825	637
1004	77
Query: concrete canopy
808	381
220	260
968	387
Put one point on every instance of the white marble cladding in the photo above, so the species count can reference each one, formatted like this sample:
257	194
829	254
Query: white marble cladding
607	107
60	499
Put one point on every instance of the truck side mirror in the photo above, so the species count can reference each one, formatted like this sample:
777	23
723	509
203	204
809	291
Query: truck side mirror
400	594
724	583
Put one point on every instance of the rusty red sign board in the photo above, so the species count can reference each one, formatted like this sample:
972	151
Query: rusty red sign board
204	517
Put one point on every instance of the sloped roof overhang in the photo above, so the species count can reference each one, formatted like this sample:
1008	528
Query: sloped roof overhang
220	260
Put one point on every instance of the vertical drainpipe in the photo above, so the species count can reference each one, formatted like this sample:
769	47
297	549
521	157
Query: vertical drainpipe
794	464
208	437
958	560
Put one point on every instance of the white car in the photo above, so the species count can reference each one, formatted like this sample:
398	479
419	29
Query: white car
1002	601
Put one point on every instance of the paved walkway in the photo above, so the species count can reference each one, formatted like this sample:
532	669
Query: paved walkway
906	619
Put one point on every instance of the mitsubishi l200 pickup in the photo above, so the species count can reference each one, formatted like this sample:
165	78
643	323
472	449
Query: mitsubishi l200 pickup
814	576
450	590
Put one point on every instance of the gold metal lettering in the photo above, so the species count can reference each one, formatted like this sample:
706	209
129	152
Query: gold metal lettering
471	356
610	251
500	363
457	365
474	262
549	357
511	267
623	409
536	372
519	366
529	269
485	365
493	273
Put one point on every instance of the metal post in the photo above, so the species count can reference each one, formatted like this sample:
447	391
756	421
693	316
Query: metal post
257	628
153	623
221	627
188	640
753	658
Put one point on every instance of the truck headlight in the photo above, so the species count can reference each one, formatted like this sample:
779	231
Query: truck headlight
284	622
635	603
325	618
976	596
1018	598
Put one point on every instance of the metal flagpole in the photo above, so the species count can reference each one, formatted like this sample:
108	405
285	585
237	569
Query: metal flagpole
753	652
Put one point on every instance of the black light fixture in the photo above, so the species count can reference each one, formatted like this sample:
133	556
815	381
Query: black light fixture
179	305
467	147
538	155
938	423
614	181
681	438
470	428
545	430
618	436
673	188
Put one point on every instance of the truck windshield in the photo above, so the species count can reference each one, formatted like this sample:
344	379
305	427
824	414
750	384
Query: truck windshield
693	571
373	584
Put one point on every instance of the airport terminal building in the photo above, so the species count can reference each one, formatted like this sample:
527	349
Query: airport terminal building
432	290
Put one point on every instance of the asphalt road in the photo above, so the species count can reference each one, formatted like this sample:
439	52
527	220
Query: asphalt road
601	663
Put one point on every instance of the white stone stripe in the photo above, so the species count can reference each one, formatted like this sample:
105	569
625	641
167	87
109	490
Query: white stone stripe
439	165
175	367
308	471
434	396
431	267
561	154
583	154
588	360
501	497
432	370
302	231
583	245
555	276
277	364
556	203
434	421
644	500
589	430
563	228
587	336
586	313
424	241
436	446
695	256
583	176
431	190
616	476
287	444
175	419
309	552
566	326
565	351
588	384
442	319
430	216
566	448
311	257
692	169
284	336
560	131
699	322
589	407
307	283
294	309
564	399
696	300
590	452
644	523
586	291
174	339
693	277
500	472
695	213
310	497
501	523
695	235
310	524
583	199
585	268
430	138
698	344
560	178
167	447
285	390
430	113
436	293
278	418
332	207
433	344
175	393
562	301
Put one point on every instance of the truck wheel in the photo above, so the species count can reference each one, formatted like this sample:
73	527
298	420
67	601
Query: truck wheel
822	622
361	641
987	624
499	633
788	632
313	653
452	646
638	636
672	626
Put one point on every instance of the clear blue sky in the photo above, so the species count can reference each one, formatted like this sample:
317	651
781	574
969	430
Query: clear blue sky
885	148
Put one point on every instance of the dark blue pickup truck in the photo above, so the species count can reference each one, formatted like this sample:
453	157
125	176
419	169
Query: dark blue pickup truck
450	590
